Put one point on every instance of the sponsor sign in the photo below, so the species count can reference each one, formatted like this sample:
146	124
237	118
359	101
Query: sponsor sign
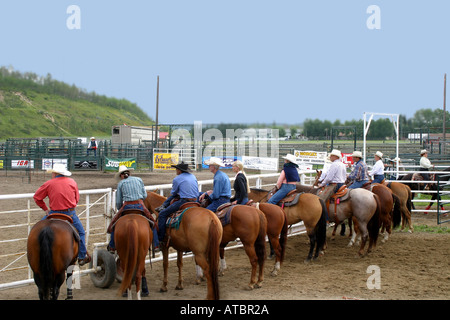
347	159
48	163
227	161
260	163
113	164
313	157
1	164
22	164
164	161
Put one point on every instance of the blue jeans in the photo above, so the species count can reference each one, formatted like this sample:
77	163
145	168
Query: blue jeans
244	201
174	207
217	203
77	224
377	178
137	206
281	193
357	184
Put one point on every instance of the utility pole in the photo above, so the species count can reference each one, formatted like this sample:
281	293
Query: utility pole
157	109
445	93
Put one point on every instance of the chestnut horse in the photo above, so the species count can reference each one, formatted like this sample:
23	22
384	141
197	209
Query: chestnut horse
133	238
52	247
200	231
404	194
249	224
310	209
277	228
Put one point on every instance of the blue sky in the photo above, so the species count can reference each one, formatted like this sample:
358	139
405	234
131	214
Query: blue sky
240	61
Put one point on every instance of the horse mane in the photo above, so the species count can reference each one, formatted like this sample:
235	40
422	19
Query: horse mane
258	190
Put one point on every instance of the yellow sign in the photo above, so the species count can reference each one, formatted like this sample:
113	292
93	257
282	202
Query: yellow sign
164	161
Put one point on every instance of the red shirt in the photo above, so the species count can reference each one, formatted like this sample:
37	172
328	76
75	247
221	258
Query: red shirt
61	191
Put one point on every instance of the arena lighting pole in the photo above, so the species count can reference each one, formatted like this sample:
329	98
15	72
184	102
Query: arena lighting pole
157	109
443	133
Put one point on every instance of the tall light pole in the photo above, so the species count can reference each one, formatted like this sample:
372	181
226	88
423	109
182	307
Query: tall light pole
157	109
443	133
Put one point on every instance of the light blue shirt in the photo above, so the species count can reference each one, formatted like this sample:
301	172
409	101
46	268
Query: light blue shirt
130	189
185	185
221	186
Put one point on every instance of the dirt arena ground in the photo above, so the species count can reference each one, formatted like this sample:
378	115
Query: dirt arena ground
412	266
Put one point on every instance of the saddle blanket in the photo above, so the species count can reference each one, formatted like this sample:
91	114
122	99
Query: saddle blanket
225	215
174	220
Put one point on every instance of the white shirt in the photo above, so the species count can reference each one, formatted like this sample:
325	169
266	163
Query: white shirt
378	168
336	173
425	163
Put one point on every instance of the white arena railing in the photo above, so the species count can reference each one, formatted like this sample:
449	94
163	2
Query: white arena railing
97	207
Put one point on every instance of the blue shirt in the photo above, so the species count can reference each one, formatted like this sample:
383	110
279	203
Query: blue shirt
359	172
130	189
221	186
185	185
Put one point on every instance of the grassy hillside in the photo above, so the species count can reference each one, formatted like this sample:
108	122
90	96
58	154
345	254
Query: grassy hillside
32	109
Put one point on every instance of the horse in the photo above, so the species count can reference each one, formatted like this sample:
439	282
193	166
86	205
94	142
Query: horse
311	210
277	228
52	247
200	231
249	224
133	238
404	194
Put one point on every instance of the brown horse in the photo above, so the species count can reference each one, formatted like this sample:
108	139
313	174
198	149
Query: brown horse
277	228
52	247
310	209
404	194
200	231
133	238
249	224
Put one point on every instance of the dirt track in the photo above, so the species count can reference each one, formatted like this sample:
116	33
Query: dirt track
412	266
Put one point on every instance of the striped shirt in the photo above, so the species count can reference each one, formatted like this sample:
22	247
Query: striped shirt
130	189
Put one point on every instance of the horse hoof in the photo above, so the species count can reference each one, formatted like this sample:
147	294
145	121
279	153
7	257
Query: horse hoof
274	273
250	287
179	288
163	290
307	260
258	285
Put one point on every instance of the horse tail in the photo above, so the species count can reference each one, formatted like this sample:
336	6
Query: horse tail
321	233
213	257
409	201
46	237
374	223
397	214
260	243
283	237
129	262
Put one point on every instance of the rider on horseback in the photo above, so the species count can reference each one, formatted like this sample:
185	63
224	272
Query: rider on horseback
63	196
358	177
425	165
221	192
287	180
335	177
184	189
378	169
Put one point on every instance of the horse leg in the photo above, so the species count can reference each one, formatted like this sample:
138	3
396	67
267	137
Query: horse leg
69	283
180	270
333	234
312	244
165	253
223	264
277	251
364	236
251	253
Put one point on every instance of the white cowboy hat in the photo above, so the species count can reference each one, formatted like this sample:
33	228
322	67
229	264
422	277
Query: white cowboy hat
423	151
396	159
357	154
336	153
61	169
290	157
379	154
213	161
122	168
92	138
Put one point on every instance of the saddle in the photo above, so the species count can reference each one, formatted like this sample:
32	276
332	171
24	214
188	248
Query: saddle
224	213
123	212
291	199
66	219
174	219
341	195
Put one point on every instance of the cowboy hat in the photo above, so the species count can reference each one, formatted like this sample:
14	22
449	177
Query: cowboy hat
379	154
423	151
181	166
122	168
61	169
92	138
290	157
213	161
336	153
357	154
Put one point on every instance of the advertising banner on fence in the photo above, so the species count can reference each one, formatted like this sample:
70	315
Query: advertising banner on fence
313	157
260	163
113	164
165	161
48	163
22	164
347	159
227	161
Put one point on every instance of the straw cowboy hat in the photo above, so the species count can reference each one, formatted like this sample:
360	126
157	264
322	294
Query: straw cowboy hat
184	167
379	154
290	157
122	168
61	169
213	161
357	154
336	153
423	151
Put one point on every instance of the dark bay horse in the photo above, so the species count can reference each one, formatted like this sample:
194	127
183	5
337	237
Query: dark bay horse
249	224
277	229
133	238
52	247
200	231
310	209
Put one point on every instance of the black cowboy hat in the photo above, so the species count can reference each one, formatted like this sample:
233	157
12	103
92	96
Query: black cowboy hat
182	166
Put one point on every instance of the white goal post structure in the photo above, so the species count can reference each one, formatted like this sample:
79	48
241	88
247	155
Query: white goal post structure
395	120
